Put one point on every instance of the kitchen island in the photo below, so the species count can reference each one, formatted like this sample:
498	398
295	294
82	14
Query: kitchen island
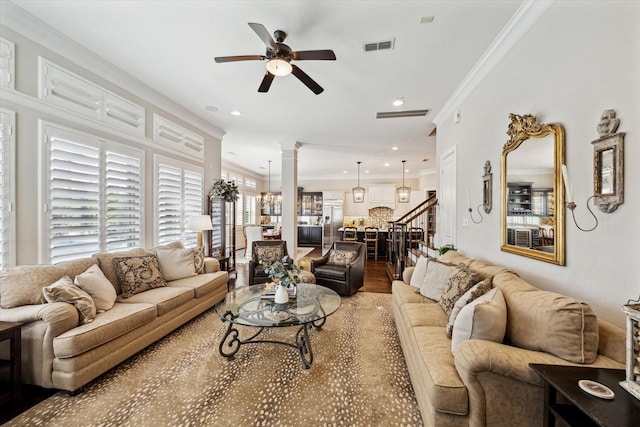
382	239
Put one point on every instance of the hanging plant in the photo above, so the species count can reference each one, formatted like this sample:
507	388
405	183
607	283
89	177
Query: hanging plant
225	189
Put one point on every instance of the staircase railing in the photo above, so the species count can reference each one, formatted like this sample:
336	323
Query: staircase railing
410	232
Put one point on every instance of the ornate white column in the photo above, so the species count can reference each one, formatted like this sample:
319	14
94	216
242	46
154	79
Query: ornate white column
290	195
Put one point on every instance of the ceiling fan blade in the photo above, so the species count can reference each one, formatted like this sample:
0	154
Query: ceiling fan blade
266	82
319	55
264	35
308	81
240	58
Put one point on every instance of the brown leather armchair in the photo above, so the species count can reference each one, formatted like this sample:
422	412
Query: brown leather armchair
271	250
345	279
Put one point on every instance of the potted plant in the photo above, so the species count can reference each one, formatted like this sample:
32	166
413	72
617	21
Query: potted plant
228	190
446	248
285	274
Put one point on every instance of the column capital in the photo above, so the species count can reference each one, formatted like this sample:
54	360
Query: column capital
290	145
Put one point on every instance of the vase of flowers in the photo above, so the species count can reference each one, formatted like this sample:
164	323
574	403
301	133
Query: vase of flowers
228	190
286	274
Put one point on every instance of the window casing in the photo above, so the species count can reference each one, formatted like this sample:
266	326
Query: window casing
93	195
179	195
7	189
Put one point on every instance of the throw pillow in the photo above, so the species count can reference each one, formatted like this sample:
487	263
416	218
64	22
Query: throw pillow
94	282
459	283
419	272
340	257
198	259
63	290
176	263
435	280
482	319
476	291
138	274
105	261
269	254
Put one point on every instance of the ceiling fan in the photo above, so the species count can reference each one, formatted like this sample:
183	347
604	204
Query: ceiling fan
279	57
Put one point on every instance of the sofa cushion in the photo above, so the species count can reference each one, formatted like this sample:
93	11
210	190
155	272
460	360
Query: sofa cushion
94	282
460	282
331	271
173	245
202	284
533	312
405	293
22	285
198	259
435	280
341	257
165	298
476	291
105	261
419	272
436	369
485	318
176	263
420	314
63	290
138	274
107	326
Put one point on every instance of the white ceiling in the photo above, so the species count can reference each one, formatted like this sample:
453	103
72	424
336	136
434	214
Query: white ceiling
170	45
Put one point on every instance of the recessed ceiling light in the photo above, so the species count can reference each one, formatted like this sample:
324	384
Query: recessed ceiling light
398	102
426	19
394	148
387	165
366	171
236	113
211	108
346	172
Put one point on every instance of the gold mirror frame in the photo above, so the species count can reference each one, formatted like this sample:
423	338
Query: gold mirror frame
521	129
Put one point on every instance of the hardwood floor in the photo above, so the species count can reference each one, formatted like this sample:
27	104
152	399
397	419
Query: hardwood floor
375	274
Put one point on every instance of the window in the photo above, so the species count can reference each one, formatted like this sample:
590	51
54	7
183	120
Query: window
249	208
179	196
7	189
93	195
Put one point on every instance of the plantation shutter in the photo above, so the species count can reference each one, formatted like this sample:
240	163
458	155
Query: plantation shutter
123	201
6	189
193	183
170	223
249	208
74	199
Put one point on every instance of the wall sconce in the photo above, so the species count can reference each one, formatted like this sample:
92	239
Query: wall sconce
471	210
570	204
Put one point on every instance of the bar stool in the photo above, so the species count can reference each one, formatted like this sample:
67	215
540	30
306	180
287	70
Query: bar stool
371	240
350	234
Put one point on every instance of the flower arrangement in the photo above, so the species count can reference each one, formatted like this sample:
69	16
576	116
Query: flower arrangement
284	272
225	189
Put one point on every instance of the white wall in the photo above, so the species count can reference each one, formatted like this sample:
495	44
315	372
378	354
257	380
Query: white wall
579	59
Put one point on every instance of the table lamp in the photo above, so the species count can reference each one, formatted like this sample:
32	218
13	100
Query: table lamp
199	223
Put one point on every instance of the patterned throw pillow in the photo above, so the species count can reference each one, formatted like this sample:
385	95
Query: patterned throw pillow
475	292
138	274
63	290
269	254
340	257
198	259
459	283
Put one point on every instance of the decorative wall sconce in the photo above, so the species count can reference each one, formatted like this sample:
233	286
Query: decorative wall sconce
608	169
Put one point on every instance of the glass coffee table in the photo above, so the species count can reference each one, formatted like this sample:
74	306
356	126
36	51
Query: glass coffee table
246	306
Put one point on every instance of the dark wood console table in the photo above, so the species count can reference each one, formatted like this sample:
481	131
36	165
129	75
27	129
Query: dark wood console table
11	331
565	400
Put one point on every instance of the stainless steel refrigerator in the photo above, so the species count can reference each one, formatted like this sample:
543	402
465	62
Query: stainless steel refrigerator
332	216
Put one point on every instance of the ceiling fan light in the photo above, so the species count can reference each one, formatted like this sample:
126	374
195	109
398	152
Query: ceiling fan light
279	67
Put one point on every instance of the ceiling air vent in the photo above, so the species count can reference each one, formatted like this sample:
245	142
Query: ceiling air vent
376	46
406	113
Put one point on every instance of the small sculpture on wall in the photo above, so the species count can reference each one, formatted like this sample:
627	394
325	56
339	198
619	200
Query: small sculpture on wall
487	187
608	163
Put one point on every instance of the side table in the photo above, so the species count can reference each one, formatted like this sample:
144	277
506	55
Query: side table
577	407
11	331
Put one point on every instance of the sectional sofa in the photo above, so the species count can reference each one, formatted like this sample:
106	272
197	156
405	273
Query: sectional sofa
67	344
488	381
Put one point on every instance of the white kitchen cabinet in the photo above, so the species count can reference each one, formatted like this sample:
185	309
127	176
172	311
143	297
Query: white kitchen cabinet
355	209
382	195
332	195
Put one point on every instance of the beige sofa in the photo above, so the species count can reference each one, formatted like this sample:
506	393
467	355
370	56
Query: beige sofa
490	383
60	352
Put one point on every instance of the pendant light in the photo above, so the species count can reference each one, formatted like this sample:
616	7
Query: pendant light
268	198
404	193
358	192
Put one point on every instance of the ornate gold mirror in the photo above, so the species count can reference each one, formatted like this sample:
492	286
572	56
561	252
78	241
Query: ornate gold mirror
532	217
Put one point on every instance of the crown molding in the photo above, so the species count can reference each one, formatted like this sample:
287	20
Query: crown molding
520	23
18	20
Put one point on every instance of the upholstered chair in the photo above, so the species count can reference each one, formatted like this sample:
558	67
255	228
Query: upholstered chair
253	234
268	251
341	268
